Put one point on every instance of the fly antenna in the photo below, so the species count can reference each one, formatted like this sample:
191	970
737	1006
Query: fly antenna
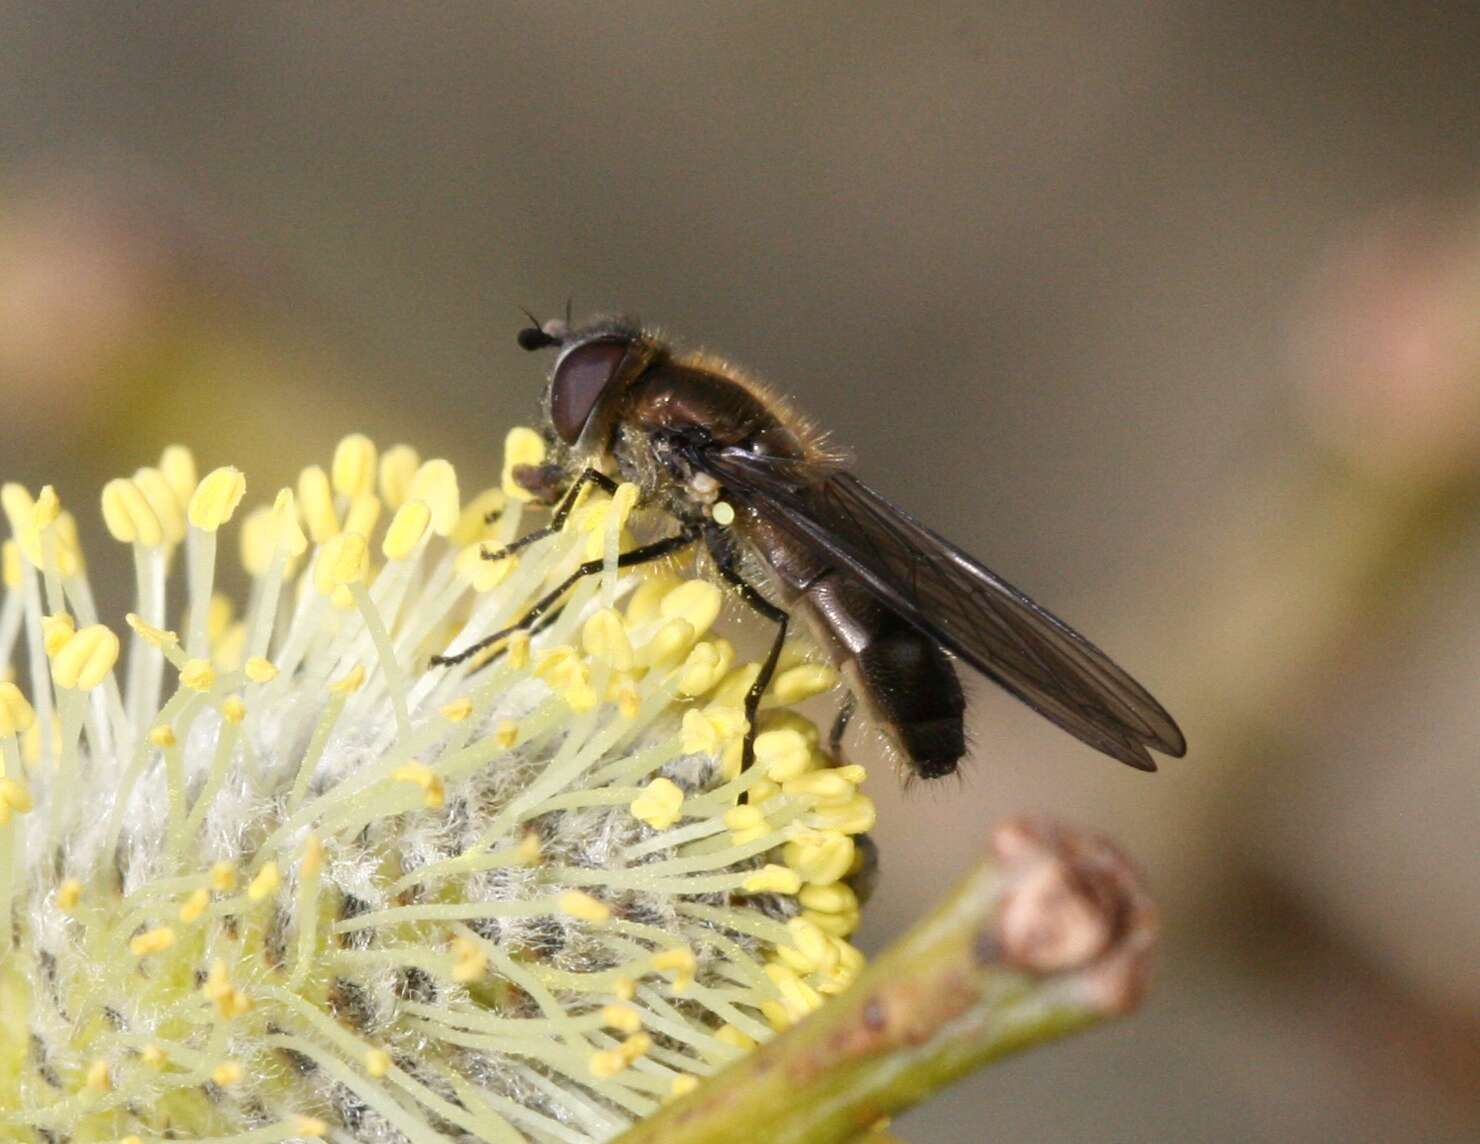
537	335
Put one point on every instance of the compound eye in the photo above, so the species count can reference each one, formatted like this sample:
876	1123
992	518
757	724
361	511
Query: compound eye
579	380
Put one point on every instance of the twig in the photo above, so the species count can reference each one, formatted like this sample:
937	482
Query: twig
1052	933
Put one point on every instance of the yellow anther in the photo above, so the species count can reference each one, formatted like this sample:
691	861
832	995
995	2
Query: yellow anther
152	941
310	1126
669	645
218	981
163	736
342	560
350	682
398	465
48	507
746	824
256	541
772	879
363	514
483	575
260	670
266	882
647	596
660	804
195	905
154	1056
68	549
826	787
705	666
377	1062
457	710
223	877
797	997
313	857
697	734
177	466
682	1084
11	552
216	498
233	710
406	529
583	906
198	675
516	650
472	522
17	715
723	514
86	660
69	894
697	601
506	734
529	849
629	699
622	1018
99	1077
434	792
606	1063
129	516
838	925
856	815
316	500
561	666
354	465
522	446
131	1139
624	988
853	772
820	856
469	962
218	616
155	637
604	636
167	507
20	510
813	944
733	1036
57	632
14	798
436	483
681	962
227	1073
580	696
287	529
836	898
736	686
803	681
782	755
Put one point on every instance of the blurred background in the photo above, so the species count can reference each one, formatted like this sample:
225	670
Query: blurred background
1169	311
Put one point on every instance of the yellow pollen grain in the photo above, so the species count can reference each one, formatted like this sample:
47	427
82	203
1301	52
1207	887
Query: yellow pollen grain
154	1056
233	710
529	850
522	446
266	882
316	502
506	734
216	498
86	660
99	1077
17	716
377	1062
660	804
772	879
803	681
435	482
353	468
310	1126
342	560
469	962
398	465
223	877
723	513
457	710
227	1073
128	515
195	905
584	906
177	466
622	1018
152	941
681	962
697	601
155	637
69	894
198	675
350	682
57	632
434	792
683	1084
261	670
406	529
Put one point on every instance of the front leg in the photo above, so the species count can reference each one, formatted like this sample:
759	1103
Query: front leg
557	522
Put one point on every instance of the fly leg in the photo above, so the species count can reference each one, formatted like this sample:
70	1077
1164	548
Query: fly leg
643	555
840	723
557	522
724	558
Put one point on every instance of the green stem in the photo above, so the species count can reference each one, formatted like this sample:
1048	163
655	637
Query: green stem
1052	933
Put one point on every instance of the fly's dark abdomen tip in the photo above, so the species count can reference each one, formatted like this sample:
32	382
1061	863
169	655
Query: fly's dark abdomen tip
934	746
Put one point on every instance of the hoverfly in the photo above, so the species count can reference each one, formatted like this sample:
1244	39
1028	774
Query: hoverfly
890	599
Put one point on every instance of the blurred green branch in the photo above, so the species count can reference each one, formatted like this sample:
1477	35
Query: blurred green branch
1048	935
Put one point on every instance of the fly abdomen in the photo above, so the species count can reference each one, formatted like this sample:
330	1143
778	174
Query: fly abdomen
907	683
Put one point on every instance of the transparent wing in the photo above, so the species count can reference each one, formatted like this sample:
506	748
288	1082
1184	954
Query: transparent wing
956	600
